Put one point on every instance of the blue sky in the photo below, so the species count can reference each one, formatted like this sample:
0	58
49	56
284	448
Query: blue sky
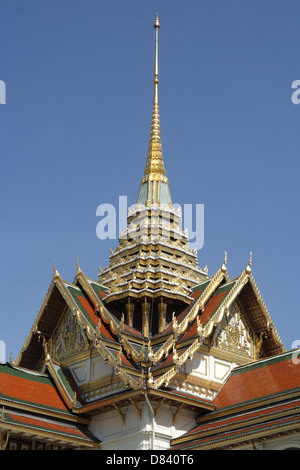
75	128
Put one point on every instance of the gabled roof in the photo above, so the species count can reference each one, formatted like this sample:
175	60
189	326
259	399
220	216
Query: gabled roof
32	403
259	380
257	400
30	389
124	347
76	435
140	362
211	305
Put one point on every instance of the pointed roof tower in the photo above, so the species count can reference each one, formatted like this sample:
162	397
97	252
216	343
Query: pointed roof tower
154	187
153	270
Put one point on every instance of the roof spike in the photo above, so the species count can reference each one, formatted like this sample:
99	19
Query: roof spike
248	267
224	268
154	188
77	266
155	162
56	273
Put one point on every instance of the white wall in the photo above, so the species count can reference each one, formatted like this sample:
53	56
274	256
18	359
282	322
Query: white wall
141	433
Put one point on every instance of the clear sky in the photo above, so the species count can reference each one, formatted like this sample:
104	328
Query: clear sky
75	128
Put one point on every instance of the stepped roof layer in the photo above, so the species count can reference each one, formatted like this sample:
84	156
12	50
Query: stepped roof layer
257	401
137	361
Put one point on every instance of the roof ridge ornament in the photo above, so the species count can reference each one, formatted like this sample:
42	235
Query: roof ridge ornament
154	189
56	273
224	268
155	162
248	267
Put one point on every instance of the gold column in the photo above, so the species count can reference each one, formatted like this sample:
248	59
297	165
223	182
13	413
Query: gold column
130	313
145	318
162	313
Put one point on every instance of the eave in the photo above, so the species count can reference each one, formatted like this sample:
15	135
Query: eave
35	426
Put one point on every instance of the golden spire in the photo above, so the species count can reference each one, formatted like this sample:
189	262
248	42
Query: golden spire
154	187
155	162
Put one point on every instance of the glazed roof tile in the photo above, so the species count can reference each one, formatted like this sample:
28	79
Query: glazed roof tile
255	400
30	388
246	418
60	430
246	433
257	380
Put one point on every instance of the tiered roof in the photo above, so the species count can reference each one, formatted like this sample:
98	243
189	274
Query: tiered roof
258	401
31	406
157	278
153	267
138	361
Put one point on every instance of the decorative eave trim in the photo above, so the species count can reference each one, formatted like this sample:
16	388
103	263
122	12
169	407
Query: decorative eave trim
252	405
108	401
263	306
163	350
164	378
18	405
215	281
179	328
246	435
242	424
134	384
35	323
229	298
190	351
116	327
217	317
138	357
83	280
70	401
14	427
189	400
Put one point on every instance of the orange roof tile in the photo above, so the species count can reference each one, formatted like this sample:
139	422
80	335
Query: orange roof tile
30	388
259	379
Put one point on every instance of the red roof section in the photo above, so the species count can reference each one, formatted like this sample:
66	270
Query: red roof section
31	390
245	417
258	380
88	308
46	425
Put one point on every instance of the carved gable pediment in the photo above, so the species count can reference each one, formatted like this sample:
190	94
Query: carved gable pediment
234	334
68	338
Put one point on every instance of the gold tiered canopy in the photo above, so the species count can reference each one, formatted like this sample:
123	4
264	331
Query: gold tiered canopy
153	267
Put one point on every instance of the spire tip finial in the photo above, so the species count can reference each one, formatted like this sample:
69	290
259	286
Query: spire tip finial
156	22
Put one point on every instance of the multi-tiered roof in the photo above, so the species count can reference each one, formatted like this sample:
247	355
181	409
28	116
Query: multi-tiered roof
152	308
153	270
145	319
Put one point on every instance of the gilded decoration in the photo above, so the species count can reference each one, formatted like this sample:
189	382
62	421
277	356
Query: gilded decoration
233	335
68	338
102	388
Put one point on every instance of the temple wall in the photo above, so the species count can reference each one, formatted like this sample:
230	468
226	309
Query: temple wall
134	432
